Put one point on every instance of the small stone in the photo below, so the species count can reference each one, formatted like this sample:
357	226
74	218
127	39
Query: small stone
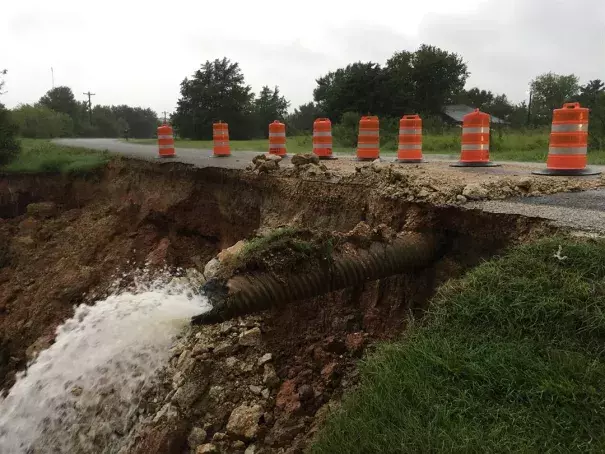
273	157
206	449
219	436
250	450
231	251
354	343
287	398
259	158
256	389
42	210
460	198
247	367
238	444
231	361
226	327
197	436
270	378
216	392
76	391
423	193
474	191
225	348
265	359
243	421
211	268
266	393
305	392
186	395
303	159
250	338
524	183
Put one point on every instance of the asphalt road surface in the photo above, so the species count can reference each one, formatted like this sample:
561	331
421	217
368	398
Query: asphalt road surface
578	210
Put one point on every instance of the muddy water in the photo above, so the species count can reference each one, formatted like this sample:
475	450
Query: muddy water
82	394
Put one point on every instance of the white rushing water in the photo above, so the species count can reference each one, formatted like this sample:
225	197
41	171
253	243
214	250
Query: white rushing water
83	393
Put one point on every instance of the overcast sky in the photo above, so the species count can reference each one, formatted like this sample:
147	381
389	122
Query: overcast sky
137	52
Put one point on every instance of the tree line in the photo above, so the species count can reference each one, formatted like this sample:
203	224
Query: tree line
59	114
422	81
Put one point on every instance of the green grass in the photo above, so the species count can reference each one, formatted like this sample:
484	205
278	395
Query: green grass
510	359
42	156
529	146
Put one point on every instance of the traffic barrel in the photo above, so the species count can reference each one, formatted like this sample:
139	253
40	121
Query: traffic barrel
410	139
368	141
166	142
568	145
474	151
220	137
322	138
277	138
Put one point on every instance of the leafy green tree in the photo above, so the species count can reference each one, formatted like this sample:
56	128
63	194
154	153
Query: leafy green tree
301	120
269	106
438	76
9	145
216	91
475	97
359	87
550	91
399	99
592	95
62	100
40	122
141	122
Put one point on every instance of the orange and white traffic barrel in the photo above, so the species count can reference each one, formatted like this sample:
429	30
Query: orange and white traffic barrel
474	150
166	142
322	138
410	139
220	137
277	138
368	141
568	146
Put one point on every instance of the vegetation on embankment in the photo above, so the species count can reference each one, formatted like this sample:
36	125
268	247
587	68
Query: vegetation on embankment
510	359
42	156
513	146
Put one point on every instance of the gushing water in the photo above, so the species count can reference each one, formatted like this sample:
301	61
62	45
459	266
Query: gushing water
82	394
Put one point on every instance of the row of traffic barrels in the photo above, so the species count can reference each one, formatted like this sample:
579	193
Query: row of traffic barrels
567	154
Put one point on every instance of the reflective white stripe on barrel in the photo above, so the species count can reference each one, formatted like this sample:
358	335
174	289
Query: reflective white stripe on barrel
322	134
475	147
567	150
367	145
480	130
164	136
166	147
578	127
404	146
411	131
277	134
221	143
365	132
278	145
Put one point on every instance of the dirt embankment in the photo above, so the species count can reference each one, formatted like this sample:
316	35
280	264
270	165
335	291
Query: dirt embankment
63	241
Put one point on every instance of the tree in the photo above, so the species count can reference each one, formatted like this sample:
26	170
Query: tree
62	100
40	122
9	145
359	87
438	76
592	95
422	81
269	106
475	97
216	91
141	123
301	120
550	91
591	92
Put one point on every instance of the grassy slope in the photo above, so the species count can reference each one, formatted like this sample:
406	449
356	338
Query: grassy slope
42	156
511	359
529	147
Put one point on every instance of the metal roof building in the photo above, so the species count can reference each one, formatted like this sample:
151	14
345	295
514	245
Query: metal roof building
456	112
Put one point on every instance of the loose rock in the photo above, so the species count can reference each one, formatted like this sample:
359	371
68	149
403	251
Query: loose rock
243	421
250	337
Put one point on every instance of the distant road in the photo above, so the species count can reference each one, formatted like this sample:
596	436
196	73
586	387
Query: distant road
199	158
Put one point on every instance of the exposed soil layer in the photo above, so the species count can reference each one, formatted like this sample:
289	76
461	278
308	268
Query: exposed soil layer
63	240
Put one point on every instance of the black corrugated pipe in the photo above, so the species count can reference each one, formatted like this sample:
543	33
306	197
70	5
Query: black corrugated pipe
256	292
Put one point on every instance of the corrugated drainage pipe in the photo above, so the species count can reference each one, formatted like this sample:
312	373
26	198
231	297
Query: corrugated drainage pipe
256	292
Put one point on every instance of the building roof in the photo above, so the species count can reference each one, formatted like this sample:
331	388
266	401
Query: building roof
457	112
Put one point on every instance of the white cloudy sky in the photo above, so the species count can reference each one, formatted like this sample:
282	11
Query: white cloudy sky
137	52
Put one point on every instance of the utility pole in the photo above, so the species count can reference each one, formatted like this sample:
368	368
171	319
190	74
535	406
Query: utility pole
52	76
164	112
529	108
89	94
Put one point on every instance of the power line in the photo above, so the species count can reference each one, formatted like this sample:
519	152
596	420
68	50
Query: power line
89	94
